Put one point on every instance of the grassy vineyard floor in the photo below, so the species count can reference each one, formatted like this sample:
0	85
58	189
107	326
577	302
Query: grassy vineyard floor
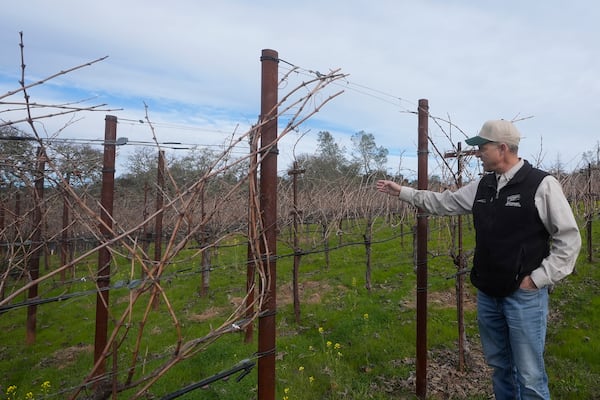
350	343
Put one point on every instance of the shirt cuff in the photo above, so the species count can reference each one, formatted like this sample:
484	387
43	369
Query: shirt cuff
539	278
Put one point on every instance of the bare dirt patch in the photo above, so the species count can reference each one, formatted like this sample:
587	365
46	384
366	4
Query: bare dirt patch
209	313
444	379
64	357
311	292
445	299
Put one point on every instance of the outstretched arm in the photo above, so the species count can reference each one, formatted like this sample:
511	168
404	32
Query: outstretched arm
444	203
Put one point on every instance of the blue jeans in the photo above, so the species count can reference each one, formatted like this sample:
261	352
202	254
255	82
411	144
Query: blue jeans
513	336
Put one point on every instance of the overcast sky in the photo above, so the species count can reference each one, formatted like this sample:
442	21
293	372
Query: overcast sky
196	64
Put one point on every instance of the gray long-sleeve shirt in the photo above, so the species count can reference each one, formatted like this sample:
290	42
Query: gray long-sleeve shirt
552	206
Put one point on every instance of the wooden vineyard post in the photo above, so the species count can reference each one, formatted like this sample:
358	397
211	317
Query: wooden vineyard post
460	261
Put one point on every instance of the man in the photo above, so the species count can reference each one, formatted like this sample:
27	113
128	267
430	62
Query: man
527	240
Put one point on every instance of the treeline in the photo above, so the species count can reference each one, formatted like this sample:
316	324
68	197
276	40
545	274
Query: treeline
331	182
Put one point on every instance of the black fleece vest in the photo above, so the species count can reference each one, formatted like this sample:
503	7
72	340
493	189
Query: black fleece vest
511	240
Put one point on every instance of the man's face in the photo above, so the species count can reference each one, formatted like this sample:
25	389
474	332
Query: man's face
491	155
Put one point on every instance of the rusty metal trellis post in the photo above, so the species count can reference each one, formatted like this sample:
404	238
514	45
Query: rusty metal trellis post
106	211
36	245
422	221
268	209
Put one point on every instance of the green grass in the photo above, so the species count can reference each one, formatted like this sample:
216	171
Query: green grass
573	344
349	344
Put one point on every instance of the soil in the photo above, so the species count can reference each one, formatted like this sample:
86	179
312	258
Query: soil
444	379
67	356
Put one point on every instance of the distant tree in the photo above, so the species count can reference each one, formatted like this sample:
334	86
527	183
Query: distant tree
557	168
329	150
592	156
17	156
141	164
328	163
192	165
183	168
367	154
78	164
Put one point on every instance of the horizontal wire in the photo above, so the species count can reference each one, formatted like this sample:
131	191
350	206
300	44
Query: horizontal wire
134	283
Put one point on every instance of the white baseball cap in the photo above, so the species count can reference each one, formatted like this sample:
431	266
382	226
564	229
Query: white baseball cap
500	131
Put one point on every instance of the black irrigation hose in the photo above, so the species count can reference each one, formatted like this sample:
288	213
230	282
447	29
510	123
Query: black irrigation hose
245	366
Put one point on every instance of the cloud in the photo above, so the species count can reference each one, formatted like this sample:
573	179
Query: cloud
195	62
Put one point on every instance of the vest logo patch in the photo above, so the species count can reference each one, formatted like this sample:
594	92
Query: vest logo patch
513	200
